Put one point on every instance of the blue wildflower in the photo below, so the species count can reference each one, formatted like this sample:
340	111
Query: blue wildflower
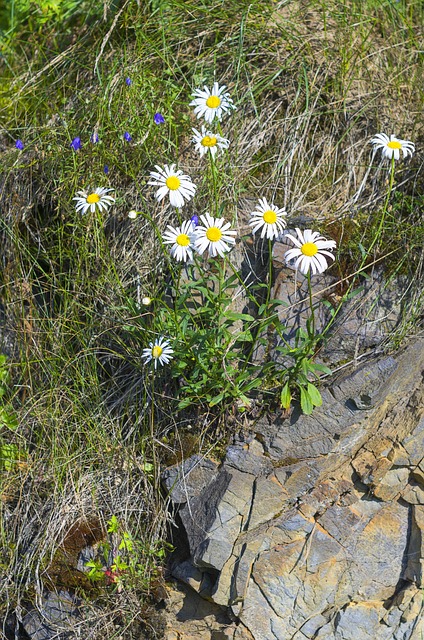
194	220
158	118
19	145
106	169
76	144
128	82
127	136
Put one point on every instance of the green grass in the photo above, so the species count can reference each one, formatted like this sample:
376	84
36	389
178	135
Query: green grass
311	88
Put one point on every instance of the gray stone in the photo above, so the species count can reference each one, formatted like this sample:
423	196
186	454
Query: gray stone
312	625
249	458
415	552
392	484
56	618
189	479
198	580
311	527
85	555
269	497
414	444
413	493
359	621
365	321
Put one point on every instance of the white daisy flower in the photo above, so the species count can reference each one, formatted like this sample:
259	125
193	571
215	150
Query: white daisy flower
182	240
268	218
97	199
211	104
173	182
310	251
392	146
215	235
158	351
207	141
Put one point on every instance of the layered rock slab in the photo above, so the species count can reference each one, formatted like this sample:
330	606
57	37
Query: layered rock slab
313	526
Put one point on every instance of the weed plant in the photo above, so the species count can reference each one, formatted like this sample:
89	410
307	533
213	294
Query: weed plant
94	420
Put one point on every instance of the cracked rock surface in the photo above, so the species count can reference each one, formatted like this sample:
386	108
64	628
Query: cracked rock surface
313	526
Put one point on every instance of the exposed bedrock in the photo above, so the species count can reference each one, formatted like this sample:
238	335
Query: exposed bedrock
313	526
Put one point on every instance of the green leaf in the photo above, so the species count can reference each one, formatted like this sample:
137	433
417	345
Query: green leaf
362	250
253	384
245	336
9	456
113	525
216	400
232	315
91	563
320	367
331	309
286	397
277	302
305	366
231	281
306	401
315	395
354	292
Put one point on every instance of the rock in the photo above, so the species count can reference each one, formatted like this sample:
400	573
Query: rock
198	580
86	555
186	480
57	617
360	620
415	556
190	617
365	321
413	493
414	444
392	484
311	527
311	626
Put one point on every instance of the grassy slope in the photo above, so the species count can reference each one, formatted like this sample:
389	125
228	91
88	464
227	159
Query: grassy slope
313	81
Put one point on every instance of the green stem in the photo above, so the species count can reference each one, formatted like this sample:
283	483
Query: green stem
267	299
214	184
376	239
152	432
311	331
268	289
383	214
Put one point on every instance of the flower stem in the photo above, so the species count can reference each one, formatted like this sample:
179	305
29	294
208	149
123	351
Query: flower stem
311	330
214	183
375	240
383	214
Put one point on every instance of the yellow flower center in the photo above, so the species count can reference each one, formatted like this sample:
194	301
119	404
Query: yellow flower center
157	351
270	217
209	141
213	102
183	240
173	183
214	234
92	198
309	249
394	144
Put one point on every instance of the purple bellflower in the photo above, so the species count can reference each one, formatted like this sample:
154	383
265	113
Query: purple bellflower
76	144
158	118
